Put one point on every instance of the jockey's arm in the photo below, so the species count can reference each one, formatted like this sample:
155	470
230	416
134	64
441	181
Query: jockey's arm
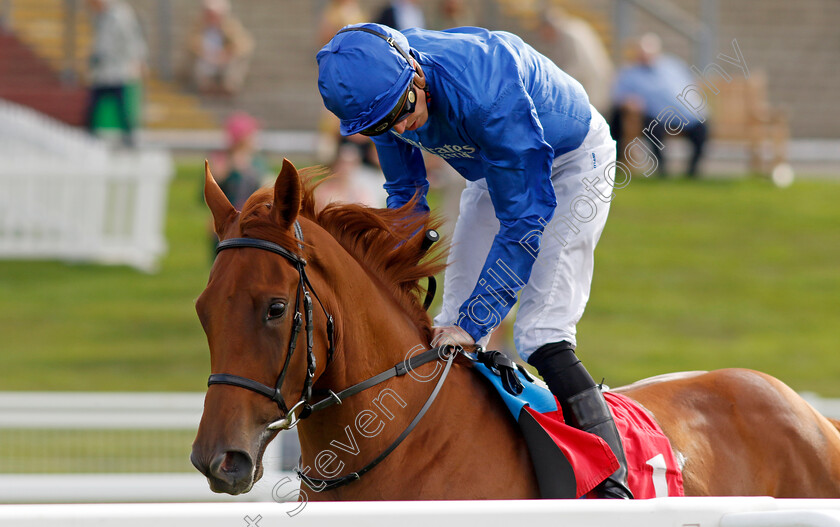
516	164
404	170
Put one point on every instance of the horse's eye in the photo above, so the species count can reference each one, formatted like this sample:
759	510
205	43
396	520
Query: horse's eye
276	310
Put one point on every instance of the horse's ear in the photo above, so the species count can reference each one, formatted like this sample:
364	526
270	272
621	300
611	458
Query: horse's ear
223	212
287	191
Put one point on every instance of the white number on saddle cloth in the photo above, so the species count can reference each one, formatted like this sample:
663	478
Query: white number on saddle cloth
660	475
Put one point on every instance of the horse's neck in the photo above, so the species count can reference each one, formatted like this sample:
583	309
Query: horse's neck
373	332
375	335
465	447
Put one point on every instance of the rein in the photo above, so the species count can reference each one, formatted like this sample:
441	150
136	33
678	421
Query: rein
449	351
290	420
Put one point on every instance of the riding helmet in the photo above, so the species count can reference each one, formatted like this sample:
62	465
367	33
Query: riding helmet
361	76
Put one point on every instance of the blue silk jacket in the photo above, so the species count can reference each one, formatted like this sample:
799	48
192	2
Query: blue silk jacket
501	112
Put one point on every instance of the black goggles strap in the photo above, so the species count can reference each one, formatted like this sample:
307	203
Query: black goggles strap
391	119
389	40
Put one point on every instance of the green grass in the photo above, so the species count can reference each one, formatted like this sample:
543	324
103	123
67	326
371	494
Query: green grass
689	275
89	327
712	274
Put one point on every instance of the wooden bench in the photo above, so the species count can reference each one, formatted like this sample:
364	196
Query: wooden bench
741	113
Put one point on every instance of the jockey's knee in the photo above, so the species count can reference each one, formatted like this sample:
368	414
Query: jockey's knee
561	369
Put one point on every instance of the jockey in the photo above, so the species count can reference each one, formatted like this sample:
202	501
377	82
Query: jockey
535	155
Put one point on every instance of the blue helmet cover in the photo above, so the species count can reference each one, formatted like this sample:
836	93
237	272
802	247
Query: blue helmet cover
361	77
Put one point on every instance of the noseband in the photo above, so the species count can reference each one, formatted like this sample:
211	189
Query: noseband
304	287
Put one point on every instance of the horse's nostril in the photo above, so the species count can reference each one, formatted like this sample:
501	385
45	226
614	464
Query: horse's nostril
231	462
232	466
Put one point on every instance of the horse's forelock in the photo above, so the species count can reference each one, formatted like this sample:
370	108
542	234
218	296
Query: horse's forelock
256	220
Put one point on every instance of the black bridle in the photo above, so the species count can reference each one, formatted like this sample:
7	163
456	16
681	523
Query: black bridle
304	287
290	420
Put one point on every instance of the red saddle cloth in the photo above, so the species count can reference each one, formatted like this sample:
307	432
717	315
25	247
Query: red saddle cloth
653	471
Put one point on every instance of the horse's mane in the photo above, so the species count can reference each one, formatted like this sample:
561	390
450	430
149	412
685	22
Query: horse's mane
387	242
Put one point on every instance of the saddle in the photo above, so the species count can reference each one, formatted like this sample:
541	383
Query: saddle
570	463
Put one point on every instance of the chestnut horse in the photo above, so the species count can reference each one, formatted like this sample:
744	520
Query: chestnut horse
738	432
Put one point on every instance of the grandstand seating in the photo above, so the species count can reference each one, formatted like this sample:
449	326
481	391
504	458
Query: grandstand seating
27	79
46	74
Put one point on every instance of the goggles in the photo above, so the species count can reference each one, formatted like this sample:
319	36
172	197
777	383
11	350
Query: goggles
404	106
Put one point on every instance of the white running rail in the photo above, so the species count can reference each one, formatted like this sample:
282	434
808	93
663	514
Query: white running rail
660	512
115	423
65	195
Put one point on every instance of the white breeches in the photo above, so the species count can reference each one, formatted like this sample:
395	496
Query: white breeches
553	299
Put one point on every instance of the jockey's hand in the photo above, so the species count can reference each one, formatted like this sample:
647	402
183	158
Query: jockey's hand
452	335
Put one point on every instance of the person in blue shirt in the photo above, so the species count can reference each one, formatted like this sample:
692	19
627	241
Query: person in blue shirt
650	86
536	156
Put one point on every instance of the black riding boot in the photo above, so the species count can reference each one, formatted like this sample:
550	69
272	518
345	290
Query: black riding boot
584	407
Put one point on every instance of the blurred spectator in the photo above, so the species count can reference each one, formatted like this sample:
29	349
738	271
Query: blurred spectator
117	60
402	14
449	184
351	182
575	46
336	15
220	49
239	169
647	87
454	13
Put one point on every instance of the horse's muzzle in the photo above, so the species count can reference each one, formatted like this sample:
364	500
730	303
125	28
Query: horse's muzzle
230	472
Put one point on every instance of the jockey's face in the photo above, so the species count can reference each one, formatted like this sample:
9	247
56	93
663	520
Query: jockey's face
418	117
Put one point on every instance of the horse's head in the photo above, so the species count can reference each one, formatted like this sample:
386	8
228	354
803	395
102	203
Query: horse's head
280	270
256	311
